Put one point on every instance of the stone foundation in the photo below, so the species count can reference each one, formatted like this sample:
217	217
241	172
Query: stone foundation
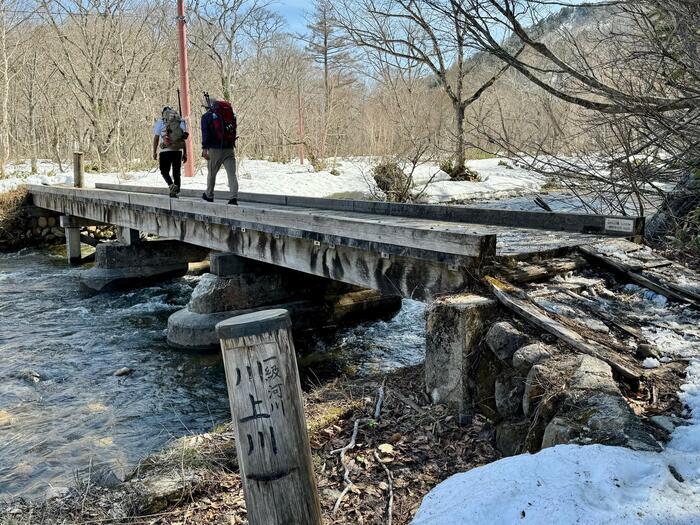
243	286
119	266
536	395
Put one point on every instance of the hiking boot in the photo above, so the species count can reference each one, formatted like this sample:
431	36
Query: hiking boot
174	190
233	201
207	198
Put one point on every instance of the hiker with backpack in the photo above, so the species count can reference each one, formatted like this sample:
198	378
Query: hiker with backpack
218	140
170	133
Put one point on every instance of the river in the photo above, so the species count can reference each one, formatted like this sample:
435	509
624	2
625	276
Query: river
63	412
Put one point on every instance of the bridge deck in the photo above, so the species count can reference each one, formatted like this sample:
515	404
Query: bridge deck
413	250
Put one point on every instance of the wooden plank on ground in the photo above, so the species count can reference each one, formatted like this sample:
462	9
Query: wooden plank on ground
509	296
526	272
566	222
647	268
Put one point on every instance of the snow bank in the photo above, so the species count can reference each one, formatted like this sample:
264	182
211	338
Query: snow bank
352	179
569	484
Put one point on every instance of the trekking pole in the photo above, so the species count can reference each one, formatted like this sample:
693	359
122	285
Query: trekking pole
179	104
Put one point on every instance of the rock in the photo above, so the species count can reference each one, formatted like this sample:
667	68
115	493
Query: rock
125	371
508	394
156	493
665	423
526	357
589	417
647	350
57	492
29	375
503	340
548	378
510	437
559	430
534	387
51	221
5	418
594	374
42	222
45	231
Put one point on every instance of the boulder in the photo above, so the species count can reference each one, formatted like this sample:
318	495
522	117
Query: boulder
594	411
526	357
511	436
503	340
508	395
157	492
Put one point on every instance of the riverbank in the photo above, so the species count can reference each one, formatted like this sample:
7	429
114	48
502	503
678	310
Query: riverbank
396	460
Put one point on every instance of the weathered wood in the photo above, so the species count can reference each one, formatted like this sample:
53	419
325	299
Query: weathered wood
648	269
272	443
333	230
508	295
392	269
572	222
78	169
91	241
526	272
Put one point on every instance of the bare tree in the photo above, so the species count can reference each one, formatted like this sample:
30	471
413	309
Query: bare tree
436	36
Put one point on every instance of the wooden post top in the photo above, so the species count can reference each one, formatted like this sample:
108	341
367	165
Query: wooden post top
254	323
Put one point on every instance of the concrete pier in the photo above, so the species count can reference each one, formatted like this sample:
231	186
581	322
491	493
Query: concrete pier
120	266
238	286
71	227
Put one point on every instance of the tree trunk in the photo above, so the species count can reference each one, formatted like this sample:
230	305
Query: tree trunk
459	146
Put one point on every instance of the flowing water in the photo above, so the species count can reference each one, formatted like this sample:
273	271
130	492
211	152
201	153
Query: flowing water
62	409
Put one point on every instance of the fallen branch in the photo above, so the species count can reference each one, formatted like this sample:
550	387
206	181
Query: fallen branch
390	479
351	445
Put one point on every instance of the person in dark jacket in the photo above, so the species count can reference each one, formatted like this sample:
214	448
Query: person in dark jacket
217	153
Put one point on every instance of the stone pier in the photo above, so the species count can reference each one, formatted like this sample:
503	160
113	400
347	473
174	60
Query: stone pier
141	263
237	285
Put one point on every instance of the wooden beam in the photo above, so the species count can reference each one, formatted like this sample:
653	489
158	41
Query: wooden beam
409	272
609	225
384	237
508	295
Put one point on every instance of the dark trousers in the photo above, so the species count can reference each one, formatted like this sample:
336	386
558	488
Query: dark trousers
168	159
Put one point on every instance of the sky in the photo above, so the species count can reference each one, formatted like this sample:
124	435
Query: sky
293	13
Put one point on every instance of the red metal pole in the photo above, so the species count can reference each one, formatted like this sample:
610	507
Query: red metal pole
185	84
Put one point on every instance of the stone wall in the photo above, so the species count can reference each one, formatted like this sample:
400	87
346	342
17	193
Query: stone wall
33	226
537	392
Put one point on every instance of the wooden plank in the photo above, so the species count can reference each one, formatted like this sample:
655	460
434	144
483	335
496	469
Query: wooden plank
508	295
526	272
649	277
572	222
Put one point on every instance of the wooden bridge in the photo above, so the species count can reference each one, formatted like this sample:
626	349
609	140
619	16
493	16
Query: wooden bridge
412	250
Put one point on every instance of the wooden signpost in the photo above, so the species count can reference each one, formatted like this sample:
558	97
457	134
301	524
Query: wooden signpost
272	443
78	170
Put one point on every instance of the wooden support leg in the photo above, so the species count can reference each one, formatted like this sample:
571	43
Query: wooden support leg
72	229
272	443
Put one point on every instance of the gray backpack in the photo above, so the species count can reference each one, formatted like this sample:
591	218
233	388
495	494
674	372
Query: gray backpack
174	136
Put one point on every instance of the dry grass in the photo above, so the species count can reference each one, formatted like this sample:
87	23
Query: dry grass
11	211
